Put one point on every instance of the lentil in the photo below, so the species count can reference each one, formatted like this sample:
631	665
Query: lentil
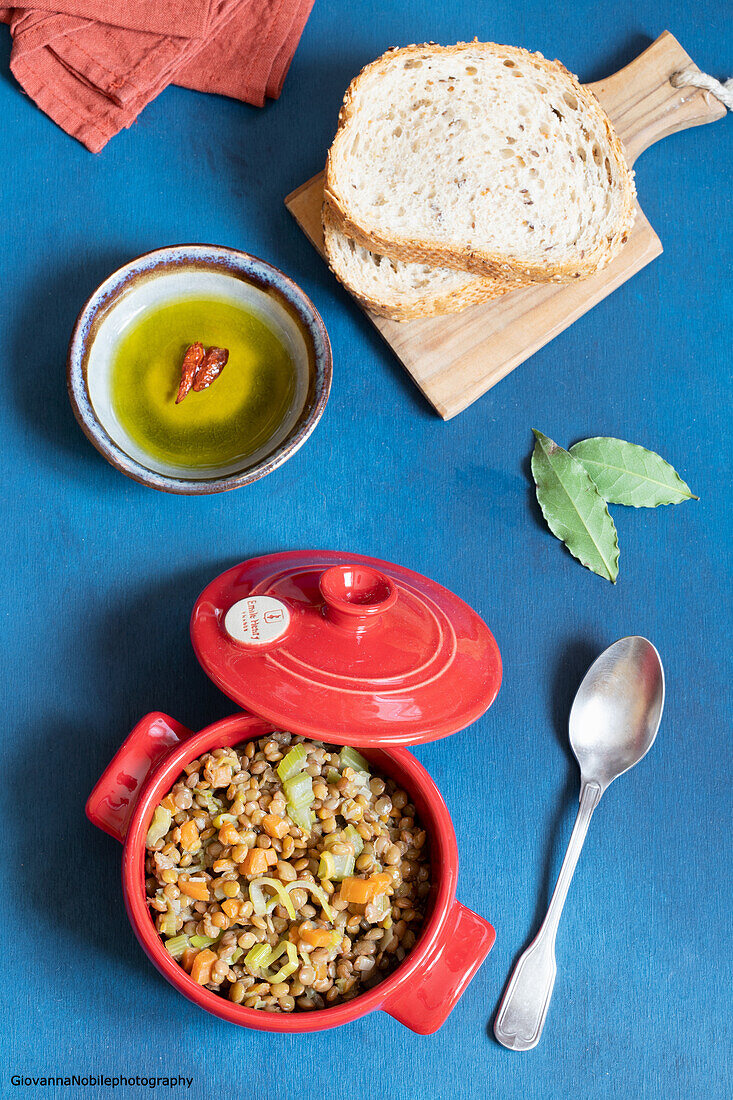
243	785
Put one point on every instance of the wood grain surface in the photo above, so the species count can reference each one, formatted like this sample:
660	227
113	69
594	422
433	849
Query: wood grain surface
456	358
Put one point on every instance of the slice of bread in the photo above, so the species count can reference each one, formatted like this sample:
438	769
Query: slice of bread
483	158
399	290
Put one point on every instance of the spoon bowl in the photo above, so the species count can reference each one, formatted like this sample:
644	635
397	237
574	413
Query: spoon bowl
617	710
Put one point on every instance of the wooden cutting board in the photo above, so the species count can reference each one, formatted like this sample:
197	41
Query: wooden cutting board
457	358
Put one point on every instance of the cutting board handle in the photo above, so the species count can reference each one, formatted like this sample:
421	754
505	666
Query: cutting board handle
645	106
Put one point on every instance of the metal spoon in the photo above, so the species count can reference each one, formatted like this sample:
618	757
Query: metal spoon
613	723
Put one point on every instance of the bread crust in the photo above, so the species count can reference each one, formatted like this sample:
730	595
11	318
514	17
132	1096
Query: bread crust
503	269
409	308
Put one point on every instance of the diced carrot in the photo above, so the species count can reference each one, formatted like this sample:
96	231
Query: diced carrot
316	937
190	836
271	856
192	889
321	972
169	804
221	777
221	865
202	964
187	958
362	890
231	907
355	890
254	863
275	826
381	883
228	835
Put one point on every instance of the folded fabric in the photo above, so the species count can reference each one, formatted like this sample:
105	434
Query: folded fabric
184	18
93	76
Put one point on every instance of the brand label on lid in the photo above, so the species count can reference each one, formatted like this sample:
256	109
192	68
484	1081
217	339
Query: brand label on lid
257	620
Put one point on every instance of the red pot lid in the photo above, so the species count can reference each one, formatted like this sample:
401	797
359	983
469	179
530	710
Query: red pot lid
343	647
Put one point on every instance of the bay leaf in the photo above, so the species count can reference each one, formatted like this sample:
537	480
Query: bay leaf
626	473
575	511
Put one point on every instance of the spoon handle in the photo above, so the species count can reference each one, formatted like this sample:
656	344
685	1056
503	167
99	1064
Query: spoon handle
524	1006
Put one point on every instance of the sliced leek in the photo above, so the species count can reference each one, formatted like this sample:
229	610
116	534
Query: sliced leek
317	891
287	968
263	905
258	956
159	826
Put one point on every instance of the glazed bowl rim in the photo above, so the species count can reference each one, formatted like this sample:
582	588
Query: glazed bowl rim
311	324
240	728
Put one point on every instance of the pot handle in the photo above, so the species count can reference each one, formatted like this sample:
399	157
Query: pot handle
111	803
425	1003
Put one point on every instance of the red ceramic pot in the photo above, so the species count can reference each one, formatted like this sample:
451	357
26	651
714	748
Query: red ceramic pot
424	988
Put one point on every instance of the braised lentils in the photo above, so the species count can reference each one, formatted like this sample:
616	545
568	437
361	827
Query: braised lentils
282	916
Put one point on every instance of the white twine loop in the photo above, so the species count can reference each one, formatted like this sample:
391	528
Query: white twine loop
694	79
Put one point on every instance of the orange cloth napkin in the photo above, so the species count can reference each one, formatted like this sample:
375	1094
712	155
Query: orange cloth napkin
92	65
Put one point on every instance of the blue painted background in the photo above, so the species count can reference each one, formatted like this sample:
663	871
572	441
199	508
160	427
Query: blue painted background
99	576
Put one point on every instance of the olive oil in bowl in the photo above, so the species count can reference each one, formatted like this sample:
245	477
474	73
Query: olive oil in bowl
219	427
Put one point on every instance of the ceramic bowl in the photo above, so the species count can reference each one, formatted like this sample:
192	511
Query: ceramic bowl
169	274
364	648
424	988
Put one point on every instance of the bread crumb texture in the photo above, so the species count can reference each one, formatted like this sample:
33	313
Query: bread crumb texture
482	158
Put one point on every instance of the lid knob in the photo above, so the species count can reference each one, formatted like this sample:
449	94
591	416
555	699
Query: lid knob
356	595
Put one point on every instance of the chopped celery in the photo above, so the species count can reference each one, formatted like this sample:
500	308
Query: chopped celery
289	967
236	954
299	793
223	819
302	816
377	909
168	923
299	789
344	865
351	836
350	758
258	956
318	892
332	775
159	826
261	905
336	865
292	762
176	946
203	941
213	805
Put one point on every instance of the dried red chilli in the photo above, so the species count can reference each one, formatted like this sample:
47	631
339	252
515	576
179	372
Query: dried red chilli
192	362
213	364
200	368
